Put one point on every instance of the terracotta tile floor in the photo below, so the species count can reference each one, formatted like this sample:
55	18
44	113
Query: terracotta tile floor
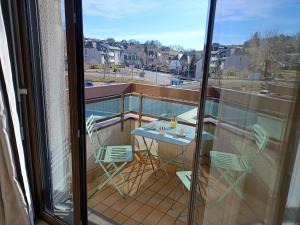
151	198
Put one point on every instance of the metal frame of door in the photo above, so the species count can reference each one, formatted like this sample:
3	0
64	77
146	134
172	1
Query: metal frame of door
25	46
201	110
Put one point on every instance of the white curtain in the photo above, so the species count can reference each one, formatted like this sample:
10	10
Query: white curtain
15	207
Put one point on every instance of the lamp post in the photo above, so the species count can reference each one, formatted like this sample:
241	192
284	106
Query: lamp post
188	65
156	76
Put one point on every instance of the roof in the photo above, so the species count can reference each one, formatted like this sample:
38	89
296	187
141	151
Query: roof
114	48
184	57
175	57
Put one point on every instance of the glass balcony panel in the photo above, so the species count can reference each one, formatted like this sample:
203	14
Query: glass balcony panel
168	110
103	108
131	104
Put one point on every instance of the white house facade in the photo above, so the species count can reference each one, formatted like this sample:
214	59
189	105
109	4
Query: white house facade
237	62
93	56
199	69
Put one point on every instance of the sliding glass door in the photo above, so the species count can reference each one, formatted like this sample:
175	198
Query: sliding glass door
51	58
253	73
176	134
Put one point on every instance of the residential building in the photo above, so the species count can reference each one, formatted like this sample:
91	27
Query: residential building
180	64
152	56
199	70
236	62
93	56
218	55
112	53
175	65
130	57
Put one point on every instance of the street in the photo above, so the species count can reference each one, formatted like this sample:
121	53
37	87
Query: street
150	76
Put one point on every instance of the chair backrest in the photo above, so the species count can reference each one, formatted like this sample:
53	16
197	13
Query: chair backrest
90	123
90	126
261	137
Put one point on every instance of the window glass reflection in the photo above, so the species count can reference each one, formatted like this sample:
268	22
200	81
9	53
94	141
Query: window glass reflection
254	73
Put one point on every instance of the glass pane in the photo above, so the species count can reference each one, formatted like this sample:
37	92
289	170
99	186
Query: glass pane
131	104
103	108
143	61
165	109
254	83
56	95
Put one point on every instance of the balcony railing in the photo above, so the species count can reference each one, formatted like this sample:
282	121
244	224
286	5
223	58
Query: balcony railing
117	103
232	111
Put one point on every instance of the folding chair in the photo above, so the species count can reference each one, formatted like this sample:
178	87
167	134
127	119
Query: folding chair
185	178
229	165
111	158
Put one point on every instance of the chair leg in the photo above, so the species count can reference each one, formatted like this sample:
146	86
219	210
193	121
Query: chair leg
233	186
149	153
109	178
121	174
172	207
235	183
175	158
162	165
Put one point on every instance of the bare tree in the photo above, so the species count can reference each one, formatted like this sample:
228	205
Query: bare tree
265	53
142	57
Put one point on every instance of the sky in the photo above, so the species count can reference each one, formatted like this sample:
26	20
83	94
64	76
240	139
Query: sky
171	22
178	22
237	20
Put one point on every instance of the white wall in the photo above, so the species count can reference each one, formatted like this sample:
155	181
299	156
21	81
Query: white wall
199	71
174	65
93	56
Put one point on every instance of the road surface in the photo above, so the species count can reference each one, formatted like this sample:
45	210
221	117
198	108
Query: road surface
151	76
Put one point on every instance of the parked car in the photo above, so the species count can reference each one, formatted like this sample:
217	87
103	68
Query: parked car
264	92
88	83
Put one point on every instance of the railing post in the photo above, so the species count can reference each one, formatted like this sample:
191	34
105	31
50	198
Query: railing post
140	108
122	112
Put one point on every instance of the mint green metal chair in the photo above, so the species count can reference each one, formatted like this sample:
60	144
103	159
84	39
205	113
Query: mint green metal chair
185	177
111	159
233	168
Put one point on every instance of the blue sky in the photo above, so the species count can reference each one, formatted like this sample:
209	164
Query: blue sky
183	22
237	20
171	22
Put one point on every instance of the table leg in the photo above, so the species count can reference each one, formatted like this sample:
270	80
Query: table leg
149	153
178	158
182	156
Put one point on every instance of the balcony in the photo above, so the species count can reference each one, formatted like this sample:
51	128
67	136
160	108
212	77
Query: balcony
156	196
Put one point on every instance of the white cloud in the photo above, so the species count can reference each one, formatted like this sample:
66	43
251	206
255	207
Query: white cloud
242	10
188	39
165	36
117	8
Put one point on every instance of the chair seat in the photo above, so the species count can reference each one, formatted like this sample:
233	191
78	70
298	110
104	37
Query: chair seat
185	177
229	161
121	153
